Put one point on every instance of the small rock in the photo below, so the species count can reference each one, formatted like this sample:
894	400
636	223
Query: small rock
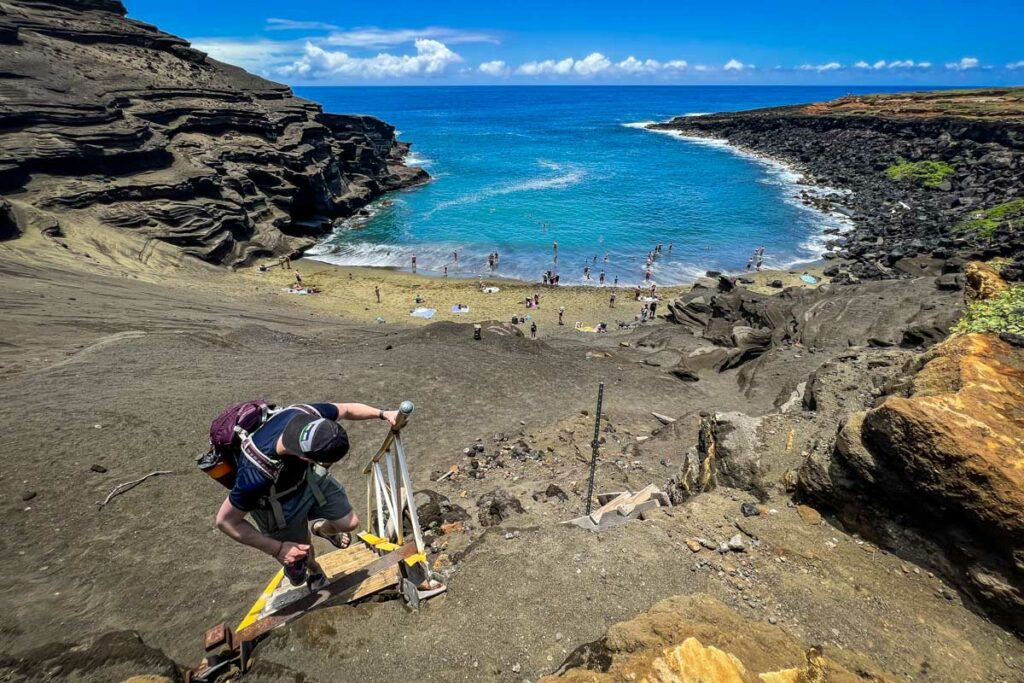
808	514
736	544
558	636
98	468
749	510
693	544
28	495
509	536
772	620
516	668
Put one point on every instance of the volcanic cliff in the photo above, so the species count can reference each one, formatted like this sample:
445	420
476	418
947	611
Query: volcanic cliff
923	174
109	124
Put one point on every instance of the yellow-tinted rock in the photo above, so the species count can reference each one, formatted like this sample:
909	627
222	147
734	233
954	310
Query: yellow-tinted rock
695	638
983	282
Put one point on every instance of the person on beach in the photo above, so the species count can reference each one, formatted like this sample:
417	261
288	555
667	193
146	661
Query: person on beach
611	301
654	307
455	256
647	275
286	262
670	247
561	314
586	272
616	282
298	278
600	278
554	250
414	263
283	485
446	271
546	278
536	300
533	330
606	257
376	291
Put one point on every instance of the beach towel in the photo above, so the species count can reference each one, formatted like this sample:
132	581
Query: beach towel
490	290
460	309
809	279
423	312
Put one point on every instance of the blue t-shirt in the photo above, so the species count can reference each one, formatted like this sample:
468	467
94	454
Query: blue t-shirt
252	486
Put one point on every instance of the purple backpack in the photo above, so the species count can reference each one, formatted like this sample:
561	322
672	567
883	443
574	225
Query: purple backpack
227	430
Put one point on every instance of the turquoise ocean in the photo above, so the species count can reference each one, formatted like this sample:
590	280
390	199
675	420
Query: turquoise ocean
518	168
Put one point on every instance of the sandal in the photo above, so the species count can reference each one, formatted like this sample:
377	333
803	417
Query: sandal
340	540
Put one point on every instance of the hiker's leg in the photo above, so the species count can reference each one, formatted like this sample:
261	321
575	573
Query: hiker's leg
335	508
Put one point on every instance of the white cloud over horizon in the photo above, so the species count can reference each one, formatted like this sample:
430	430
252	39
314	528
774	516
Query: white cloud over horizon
432	58
372	53
276	24
964	64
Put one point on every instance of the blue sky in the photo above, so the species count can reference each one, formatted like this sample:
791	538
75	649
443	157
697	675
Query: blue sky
401	42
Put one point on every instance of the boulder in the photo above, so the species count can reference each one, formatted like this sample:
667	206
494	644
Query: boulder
695	638
948	458
983	282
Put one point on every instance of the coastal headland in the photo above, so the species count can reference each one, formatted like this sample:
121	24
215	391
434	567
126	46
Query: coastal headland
844	459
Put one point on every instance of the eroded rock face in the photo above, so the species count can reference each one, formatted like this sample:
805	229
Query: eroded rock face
691	639
949	459
108	121
983	282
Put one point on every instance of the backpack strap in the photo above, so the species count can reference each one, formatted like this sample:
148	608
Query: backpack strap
269	465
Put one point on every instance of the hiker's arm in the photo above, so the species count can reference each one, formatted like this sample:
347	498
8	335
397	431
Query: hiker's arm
361	411
232	522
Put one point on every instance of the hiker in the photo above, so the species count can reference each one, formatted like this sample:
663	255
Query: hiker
654	307
533	330
376	291
286	262
297	444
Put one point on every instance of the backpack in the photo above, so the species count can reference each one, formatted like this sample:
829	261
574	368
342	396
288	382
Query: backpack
227	430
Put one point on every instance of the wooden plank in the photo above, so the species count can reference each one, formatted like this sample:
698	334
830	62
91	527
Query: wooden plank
341	588
640	496
340	561
595	516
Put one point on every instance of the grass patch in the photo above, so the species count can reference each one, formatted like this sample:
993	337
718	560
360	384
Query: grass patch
1003	313
987	221
924	173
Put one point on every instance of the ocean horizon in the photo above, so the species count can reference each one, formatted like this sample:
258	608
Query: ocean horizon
518	168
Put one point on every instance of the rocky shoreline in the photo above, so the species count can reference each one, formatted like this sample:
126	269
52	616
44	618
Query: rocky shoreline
894	220
108	124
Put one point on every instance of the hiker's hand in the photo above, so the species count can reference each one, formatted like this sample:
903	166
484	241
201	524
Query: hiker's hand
391	416
290	553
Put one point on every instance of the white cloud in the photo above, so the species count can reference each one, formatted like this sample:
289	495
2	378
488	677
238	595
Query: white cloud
592	64
736	65
830	66
373	37
432	58
596	64
880	64
964	64
1016	65
274	24
895	64
632	65
496	68
254	55
924	65
702	68
902	64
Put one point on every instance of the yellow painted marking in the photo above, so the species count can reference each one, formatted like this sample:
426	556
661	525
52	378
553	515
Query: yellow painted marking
261	602
378	543
415	559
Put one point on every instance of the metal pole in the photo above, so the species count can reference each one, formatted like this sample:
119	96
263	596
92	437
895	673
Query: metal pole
595	444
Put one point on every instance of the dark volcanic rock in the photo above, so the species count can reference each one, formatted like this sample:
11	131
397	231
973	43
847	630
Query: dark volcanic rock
111	122
849	143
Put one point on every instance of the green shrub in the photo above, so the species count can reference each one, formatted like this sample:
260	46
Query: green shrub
987	221
1002	313
926	173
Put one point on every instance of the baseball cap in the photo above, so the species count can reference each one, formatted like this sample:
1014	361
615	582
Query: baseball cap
315	438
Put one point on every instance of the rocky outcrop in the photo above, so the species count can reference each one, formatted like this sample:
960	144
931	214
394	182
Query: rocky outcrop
850	144
693	639
107	120
947	460
739	325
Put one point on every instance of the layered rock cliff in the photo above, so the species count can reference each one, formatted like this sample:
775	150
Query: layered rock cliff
108	121
925	174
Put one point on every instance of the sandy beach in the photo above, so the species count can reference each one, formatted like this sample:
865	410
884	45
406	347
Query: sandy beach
350	291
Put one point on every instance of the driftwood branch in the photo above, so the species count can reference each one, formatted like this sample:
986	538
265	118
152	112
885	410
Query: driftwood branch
129	485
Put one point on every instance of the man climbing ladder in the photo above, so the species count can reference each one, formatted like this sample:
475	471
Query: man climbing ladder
283	484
